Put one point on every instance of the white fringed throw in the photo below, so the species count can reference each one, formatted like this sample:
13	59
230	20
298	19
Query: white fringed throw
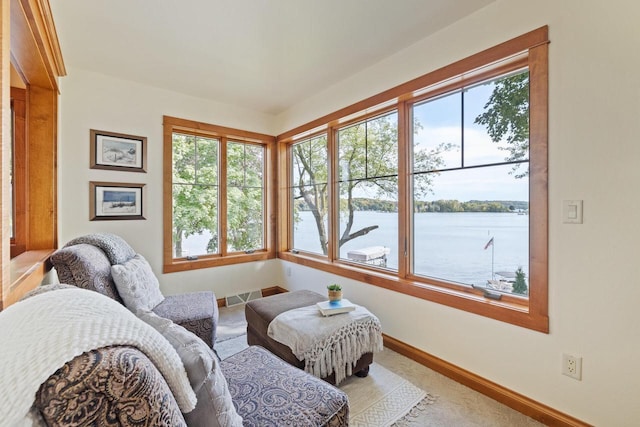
328	344
41	333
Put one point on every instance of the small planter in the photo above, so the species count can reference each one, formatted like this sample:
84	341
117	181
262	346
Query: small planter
335	296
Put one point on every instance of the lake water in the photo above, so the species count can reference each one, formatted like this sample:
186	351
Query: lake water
448	245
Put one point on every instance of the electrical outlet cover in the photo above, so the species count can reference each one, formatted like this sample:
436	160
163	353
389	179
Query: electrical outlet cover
572	366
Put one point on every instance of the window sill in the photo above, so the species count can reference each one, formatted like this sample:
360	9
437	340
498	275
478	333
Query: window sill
27	271
507	311
182	264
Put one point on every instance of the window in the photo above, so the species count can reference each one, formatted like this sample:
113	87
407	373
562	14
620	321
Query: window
368	191
470	181
219	200
245	197
436	188
309	191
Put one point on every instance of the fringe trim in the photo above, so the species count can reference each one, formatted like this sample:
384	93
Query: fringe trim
415	412
339	352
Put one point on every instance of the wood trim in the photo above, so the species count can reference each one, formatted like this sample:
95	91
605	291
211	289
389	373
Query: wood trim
27	271
42	168
466	65
283	210
273	290
271	197
529	407
5	111
404	184
266	292
32	47
503	310
538	154
167	196
215	130
34	43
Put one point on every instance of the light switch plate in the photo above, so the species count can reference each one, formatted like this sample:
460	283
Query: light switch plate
572	211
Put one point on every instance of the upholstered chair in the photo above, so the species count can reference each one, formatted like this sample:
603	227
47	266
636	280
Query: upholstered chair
91	261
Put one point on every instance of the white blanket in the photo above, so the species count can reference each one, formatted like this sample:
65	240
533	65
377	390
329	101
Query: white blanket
328	344
41	333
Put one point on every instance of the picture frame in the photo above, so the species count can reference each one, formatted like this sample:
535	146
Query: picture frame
115	201
118	151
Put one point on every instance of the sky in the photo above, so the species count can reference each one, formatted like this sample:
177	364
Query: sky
442	122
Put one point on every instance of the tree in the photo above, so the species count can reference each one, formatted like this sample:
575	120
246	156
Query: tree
520	285
506	117
367	163
244	196
195	191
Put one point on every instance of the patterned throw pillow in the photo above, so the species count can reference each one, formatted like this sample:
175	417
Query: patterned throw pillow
215	407
137	285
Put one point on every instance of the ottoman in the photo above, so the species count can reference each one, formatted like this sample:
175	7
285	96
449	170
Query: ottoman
261	312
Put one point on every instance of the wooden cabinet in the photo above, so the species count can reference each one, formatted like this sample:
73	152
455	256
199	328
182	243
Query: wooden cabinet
30	46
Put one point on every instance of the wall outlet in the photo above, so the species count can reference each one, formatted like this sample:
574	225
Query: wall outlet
572	366
288	271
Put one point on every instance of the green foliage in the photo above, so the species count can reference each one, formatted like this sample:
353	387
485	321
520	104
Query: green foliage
520	285
506	117
244	197
334	287
195	189
195	193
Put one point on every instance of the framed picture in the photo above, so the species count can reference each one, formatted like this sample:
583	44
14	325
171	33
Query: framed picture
117	151
112	201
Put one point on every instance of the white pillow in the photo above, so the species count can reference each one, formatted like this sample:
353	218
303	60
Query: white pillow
137	285
215	407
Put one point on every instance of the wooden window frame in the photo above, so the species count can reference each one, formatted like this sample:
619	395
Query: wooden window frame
529	50
223	134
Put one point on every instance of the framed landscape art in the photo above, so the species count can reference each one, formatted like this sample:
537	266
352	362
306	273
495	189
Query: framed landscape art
115	201
118	151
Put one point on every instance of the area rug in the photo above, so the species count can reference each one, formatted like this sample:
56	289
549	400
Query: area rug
383	399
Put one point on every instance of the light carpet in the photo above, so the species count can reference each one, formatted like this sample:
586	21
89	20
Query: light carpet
380	399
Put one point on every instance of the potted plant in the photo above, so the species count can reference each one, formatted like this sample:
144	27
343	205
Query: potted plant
335	292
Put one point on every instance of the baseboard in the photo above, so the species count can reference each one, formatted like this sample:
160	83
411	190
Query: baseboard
266	292
536	410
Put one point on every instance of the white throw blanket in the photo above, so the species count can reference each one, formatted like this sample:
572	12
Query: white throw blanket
328	344
41	333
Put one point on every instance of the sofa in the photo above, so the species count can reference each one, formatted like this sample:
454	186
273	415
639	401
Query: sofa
76	357
90	261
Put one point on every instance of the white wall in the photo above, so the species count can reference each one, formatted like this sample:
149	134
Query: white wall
94	101
593	155
594	152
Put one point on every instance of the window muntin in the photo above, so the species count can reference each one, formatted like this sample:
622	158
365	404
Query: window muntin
195	195
309	192
368	191
484	195
245	196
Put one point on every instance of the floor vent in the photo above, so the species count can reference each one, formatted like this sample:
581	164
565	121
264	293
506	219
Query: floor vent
243	298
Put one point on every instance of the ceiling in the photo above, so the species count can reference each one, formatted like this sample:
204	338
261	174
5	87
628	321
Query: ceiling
264	55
